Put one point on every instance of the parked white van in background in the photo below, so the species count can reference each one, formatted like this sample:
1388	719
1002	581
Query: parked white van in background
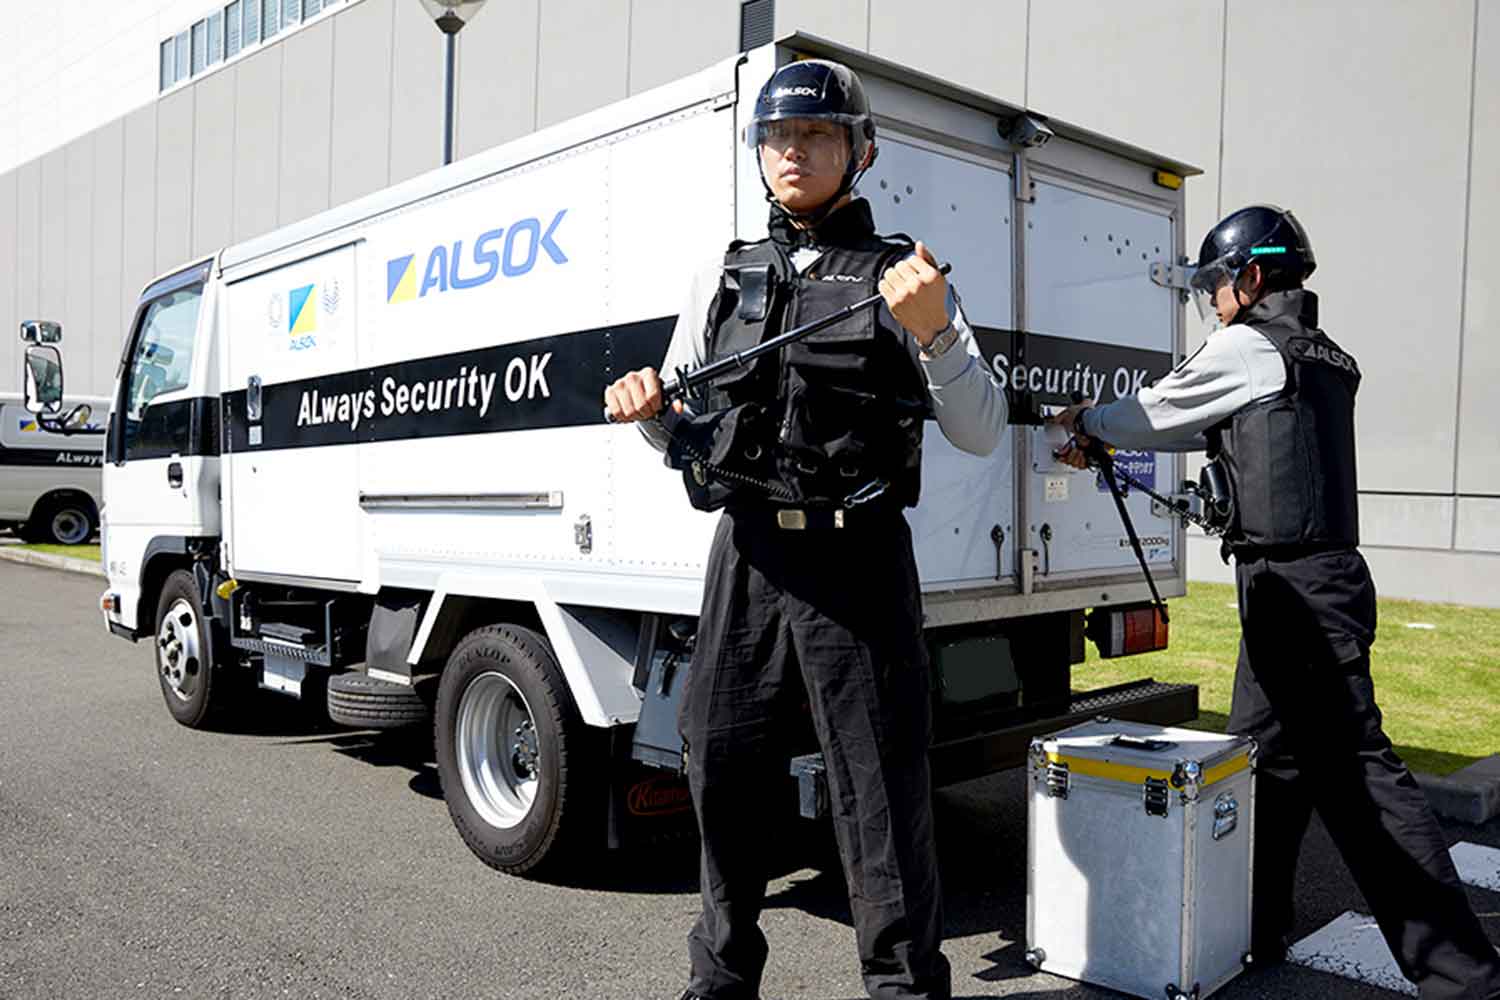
49	480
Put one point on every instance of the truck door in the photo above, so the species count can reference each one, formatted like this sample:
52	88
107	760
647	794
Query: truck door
294	400
1100	326
963	530
161	461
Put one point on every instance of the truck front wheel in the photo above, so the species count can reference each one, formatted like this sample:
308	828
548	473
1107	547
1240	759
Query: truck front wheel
193	689
512	752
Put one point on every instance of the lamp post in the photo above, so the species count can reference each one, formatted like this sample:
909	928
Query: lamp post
450	17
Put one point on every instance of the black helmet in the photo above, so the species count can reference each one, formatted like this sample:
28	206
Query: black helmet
1264	234
817	88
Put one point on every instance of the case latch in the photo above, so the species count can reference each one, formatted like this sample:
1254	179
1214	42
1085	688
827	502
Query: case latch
1156	794
1226	815
1057	779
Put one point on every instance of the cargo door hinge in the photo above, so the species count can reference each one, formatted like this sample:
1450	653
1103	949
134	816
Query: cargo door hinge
1176	276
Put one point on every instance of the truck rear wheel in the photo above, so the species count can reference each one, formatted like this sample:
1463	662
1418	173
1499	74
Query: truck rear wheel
61	521
194	690
512	752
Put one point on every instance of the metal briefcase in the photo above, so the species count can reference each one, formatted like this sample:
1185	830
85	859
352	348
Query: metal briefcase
1139	857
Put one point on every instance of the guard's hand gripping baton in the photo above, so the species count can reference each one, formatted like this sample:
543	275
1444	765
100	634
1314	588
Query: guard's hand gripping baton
687	381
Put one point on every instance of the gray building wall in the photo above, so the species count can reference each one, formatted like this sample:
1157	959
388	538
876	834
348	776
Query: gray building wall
1378	129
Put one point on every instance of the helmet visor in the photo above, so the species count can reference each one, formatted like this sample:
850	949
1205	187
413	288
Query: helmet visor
1208	279
776	126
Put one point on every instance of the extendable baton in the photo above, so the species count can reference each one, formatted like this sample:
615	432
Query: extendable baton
686	381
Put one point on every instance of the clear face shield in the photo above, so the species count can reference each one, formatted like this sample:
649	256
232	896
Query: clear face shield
1206	282
820	132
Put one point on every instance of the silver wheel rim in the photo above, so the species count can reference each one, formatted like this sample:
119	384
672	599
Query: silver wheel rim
499	759
70	526
177	653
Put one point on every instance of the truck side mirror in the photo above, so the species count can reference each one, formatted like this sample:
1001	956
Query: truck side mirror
44	379
41	331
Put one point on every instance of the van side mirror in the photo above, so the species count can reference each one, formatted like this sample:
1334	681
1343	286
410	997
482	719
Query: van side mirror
44	380
41	331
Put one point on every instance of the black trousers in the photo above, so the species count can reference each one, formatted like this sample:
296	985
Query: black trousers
831	618
1303	692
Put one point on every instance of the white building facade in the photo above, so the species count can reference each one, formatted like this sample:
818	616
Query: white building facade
134	136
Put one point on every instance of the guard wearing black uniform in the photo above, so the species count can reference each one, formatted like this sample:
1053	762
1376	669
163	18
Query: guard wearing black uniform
1271	397
811	591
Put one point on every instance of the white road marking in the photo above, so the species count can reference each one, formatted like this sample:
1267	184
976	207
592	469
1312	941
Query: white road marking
1477	865
1350	945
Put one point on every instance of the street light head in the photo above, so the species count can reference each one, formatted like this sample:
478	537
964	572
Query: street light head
452	15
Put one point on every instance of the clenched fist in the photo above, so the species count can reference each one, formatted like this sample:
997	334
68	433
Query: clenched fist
917	294
635	396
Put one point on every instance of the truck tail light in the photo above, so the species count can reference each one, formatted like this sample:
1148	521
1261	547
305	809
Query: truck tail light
1127	631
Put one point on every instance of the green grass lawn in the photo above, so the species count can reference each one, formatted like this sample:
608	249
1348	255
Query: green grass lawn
89	552
1438	688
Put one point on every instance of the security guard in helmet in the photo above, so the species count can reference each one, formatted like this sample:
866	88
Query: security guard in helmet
811	592
1270	397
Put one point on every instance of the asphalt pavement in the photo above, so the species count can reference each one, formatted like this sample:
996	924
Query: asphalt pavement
284	859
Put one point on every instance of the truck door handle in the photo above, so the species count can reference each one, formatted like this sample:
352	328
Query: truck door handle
174	474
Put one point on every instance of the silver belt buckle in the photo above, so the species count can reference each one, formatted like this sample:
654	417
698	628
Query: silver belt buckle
791	519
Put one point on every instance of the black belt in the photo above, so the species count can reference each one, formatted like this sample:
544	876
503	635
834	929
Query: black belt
1284	553
821	518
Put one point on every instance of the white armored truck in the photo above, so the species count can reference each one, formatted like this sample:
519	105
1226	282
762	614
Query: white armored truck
49	474
365	453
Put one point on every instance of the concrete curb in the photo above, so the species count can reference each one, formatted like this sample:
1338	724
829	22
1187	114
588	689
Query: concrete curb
18	555
1470	795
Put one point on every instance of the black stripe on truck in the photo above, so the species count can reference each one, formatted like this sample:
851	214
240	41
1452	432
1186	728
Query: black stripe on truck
33	457
546	382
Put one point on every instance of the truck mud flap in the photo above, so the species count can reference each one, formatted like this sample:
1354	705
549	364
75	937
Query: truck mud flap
984	753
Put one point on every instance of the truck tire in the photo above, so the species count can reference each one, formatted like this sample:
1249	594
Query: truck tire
63	520
196	691
513	754
363	702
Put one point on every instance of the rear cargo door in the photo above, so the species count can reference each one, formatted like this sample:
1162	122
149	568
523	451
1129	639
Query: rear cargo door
293	503
1100	327
959	204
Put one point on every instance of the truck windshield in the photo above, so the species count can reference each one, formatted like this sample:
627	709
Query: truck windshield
163	358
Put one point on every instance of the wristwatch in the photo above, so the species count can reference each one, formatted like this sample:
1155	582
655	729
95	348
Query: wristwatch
940	345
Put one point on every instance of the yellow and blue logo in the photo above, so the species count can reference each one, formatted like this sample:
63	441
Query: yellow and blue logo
302	316
512	250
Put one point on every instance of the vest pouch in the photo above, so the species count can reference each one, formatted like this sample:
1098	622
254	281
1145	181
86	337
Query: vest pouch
1217	495
745	302
846	348
725	457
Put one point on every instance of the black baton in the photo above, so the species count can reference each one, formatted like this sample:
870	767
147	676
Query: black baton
686	381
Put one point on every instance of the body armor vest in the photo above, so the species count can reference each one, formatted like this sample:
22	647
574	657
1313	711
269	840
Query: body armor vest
838	411
1290	457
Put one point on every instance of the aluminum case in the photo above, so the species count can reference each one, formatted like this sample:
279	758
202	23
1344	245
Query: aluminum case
1139	857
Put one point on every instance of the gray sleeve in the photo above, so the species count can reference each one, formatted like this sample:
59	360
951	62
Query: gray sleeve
688	347
1234	367
969	404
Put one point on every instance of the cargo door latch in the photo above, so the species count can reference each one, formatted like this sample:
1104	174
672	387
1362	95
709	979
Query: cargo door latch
583	534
